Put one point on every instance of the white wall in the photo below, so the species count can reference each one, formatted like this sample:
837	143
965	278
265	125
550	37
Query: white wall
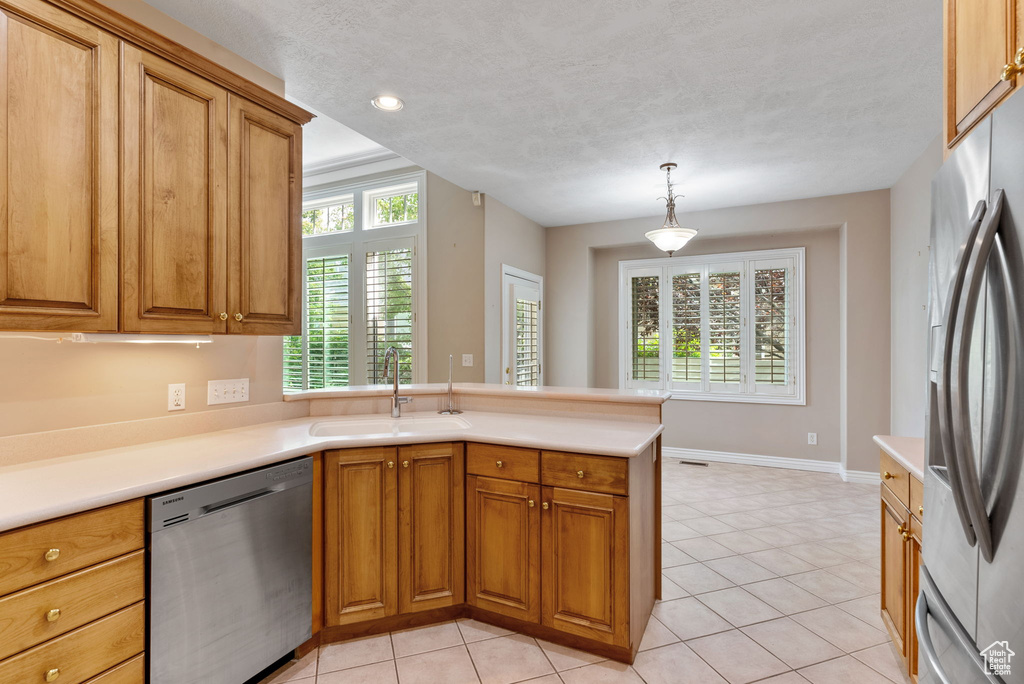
910	202
512	239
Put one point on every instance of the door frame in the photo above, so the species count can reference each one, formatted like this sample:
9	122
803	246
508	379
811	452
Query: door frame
510	275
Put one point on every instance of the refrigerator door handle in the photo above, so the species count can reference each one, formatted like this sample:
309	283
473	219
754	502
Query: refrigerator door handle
950	328
963	451
943	614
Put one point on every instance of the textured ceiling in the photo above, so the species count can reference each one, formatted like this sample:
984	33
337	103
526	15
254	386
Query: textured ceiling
563	109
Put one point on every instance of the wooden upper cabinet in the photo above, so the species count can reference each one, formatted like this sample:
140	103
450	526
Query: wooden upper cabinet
503	547
174	199
585	564
264	210
361	533
58	171
431	524
981	38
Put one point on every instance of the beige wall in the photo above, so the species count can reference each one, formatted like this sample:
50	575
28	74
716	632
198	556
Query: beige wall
910	201
768	430
862	222
512	239
455	274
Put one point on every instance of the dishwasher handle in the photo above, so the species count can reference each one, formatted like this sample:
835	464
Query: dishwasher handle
236	501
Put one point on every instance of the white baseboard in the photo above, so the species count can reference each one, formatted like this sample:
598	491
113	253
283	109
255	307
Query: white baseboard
853	476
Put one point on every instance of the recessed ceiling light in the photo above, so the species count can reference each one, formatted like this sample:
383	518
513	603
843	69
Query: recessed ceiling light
389	103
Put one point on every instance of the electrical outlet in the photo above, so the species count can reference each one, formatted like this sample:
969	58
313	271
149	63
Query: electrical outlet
176	397
812	437
467	359
227	391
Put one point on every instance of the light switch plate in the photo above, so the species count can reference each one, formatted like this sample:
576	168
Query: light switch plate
227	391
812	438
176	397
467	359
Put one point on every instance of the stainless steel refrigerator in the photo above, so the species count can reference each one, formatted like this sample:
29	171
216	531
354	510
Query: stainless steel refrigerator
970	611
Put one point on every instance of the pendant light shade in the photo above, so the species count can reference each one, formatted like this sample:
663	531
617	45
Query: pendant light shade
671	237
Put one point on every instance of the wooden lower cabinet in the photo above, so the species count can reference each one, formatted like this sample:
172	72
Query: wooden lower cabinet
393	531
503	557
585	564
431	523
361	535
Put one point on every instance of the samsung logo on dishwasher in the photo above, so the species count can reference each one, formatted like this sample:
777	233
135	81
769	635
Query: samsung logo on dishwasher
170	501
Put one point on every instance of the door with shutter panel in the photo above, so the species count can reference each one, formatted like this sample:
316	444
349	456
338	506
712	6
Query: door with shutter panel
264	210
58	126
174	199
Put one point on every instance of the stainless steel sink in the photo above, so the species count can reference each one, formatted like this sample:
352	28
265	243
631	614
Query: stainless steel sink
386	426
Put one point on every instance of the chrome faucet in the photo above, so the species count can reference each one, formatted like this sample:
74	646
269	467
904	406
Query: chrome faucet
396	401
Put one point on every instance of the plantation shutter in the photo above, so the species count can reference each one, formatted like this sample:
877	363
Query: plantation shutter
644	327
327	330
389	311
773	318
687	370
723	332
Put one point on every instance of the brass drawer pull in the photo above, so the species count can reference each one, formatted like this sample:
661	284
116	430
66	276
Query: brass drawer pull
498	463
579	474
920	510
906	536
887	475
1015	67
223	315
405	464
239	317
52	555
391	464
53	615
544	505
530	503
51	675
899	530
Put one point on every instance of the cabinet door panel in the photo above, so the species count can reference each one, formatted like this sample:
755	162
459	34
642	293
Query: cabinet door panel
174	198
431	524
503	547
58	171
895	522
264	209
585	564
360	527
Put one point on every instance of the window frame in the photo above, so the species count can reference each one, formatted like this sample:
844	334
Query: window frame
748	390
355	244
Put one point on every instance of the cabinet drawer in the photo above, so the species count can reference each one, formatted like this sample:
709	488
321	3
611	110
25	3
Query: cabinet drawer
83	653
916	498
71	543
507	463
27	618
592	473
129	672
896	478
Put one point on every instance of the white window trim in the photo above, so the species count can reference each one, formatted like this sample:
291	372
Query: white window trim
509	275
666	267
356	243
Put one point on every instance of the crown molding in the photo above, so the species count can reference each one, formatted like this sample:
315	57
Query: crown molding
349	161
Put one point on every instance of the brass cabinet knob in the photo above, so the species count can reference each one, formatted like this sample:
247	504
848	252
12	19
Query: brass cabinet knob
239	317
405	464
579	474
544	505
498	463
906	536
52	555
223	315
530	503
391	464
51	675
886	475
53	615
1015	67
920	510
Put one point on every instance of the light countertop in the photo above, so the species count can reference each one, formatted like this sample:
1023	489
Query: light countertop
908	452
41	490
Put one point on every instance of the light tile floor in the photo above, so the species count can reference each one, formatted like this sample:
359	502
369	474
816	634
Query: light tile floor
770	576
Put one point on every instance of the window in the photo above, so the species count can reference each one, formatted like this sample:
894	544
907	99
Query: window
364	288
735	322
522	324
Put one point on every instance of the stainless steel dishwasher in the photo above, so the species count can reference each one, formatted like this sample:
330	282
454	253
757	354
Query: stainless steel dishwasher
230	584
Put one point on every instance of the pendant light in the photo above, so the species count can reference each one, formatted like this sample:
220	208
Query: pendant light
670	237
